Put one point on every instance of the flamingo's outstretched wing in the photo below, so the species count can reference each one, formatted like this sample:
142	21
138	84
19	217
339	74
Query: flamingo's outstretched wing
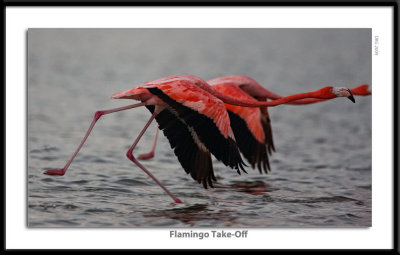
251	126
207	121
252	149
195	160
266	124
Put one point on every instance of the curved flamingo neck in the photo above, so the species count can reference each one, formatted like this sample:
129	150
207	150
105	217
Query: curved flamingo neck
361	90
245	103
273	96
302	96
306	101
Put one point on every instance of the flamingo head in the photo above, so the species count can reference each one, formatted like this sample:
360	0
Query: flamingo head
343	92
332	92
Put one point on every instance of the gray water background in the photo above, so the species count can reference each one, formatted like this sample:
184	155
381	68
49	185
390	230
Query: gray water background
321	170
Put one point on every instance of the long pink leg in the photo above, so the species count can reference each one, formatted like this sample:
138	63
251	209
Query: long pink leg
129	154
153	148
96	117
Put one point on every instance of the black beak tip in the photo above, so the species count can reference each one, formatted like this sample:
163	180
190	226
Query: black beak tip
351	97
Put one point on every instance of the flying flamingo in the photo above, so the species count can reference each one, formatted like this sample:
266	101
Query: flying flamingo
193	117
252	126
257	91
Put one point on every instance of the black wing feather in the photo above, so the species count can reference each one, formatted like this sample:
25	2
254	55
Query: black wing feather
254	151
224	149
193	159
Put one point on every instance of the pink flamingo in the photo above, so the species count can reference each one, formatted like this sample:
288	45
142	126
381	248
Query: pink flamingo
257	91
252	126
195	121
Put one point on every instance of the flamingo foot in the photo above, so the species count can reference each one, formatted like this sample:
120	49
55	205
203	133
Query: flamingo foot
55	171
177	200
146	156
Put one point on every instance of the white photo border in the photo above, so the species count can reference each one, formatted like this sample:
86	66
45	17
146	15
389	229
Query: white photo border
379	18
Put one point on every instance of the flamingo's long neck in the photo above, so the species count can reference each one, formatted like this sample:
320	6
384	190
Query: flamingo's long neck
288	99
303	101
282	100
361	90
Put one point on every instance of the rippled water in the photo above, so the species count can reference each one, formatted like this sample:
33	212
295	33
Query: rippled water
321	170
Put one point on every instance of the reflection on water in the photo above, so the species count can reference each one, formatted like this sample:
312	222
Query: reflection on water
250	187
193	214
321	170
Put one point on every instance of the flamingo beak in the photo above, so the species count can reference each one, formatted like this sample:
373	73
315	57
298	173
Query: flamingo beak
351	97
